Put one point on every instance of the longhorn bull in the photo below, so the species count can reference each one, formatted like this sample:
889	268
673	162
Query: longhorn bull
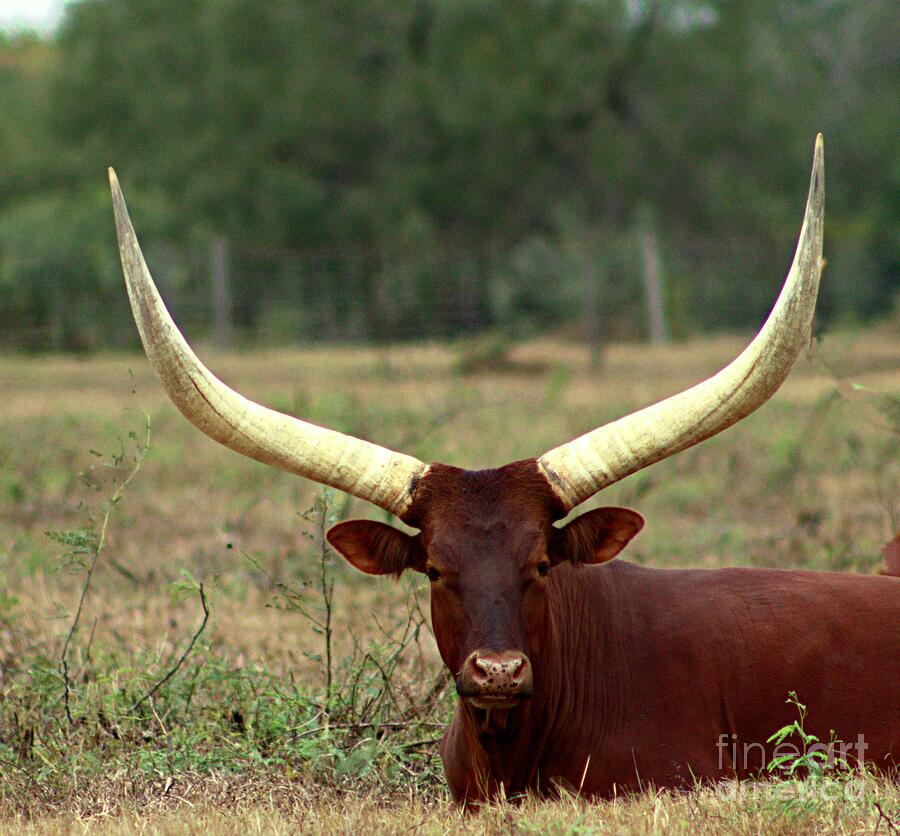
571	669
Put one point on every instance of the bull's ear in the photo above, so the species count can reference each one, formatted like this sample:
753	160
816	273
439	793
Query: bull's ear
595	536
376	548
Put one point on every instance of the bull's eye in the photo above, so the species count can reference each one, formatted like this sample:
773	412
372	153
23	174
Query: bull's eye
543	568
432	574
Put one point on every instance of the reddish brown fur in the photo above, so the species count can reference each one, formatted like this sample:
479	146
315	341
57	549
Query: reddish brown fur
640	676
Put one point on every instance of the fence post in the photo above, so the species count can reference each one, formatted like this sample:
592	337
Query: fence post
220	268
590	285
653	280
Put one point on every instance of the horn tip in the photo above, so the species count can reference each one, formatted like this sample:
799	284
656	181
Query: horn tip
116	189
123	223
817	181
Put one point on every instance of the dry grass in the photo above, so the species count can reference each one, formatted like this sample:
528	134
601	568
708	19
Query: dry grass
269	804
810	480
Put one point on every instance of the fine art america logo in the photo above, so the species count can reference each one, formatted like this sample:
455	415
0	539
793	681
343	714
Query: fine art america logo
753	758
840	764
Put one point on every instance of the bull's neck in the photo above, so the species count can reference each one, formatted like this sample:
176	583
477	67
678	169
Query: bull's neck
591	622
516	749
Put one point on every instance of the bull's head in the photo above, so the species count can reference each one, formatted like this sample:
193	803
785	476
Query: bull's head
487	540
488	545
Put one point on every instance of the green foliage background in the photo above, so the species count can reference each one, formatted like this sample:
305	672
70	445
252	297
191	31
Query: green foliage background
407	168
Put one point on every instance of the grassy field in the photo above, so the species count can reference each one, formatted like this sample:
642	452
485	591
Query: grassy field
227	674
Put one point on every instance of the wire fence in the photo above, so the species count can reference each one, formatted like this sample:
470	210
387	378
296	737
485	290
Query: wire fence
639	290
633	286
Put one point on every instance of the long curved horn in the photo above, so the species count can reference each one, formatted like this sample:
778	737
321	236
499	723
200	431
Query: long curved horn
373	473
582	467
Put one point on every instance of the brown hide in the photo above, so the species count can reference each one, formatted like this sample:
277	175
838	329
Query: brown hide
613	676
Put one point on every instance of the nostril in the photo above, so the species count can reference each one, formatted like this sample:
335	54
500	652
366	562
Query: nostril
504	668
481	669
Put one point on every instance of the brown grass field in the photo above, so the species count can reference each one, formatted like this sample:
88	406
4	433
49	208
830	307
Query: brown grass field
245	736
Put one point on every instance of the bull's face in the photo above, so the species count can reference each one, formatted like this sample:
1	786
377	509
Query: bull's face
488	546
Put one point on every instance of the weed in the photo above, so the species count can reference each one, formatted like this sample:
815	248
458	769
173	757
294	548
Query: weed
810	758
812	775
372	720
85	545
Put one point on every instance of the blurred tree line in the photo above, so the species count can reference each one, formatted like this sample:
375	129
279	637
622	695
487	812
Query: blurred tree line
405	168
